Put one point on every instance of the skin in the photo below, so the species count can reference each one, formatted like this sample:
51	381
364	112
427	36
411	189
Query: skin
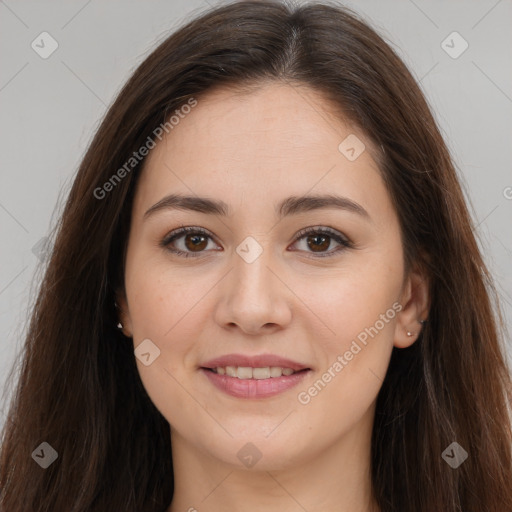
251	151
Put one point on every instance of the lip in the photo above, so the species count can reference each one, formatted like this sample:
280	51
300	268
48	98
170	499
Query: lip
254	388
258	361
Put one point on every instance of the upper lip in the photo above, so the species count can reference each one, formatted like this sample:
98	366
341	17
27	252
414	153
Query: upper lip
258	361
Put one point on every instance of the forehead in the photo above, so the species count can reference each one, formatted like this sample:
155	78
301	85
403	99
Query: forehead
273	140
270	119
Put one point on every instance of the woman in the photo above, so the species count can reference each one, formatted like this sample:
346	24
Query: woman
265	292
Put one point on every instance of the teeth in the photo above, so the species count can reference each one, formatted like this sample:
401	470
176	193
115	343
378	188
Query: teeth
276	371
246	372
230	371
261	373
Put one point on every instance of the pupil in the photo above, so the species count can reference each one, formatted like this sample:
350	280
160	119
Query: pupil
195	243
321	237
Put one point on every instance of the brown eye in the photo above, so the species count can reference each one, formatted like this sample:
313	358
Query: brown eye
195	242
187	241
318	241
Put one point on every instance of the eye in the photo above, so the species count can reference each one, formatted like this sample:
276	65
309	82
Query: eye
195	240
319	238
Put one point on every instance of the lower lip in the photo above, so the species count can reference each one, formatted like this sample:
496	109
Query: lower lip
254	388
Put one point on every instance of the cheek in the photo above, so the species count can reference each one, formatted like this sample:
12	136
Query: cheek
354	300
160	294
360	307
167	305
354	359
364	305
166	309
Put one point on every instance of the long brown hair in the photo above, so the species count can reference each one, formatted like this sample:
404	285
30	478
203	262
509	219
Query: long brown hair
79	389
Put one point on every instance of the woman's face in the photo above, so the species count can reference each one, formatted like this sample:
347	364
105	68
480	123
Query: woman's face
255	292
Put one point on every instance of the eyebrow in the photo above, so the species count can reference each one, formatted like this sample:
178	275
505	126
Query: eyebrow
292	205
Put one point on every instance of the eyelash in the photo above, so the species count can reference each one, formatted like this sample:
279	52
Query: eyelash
344	242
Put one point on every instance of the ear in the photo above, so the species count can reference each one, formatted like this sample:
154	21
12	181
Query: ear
123	314
415	302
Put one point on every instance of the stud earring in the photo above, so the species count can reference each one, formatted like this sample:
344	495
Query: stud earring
119	324
409	333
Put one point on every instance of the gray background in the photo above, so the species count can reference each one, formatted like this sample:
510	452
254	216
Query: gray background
51	108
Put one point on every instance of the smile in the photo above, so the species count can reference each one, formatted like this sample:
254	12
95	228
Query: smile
247	382
246	372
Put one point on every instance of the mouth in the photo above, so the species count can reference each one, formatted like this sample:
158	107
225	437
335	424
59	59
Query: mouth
254	387
232	364
260	376
248	372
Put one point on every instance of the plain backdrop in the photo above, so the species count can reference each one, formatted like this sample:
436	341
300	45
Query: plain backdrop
52	106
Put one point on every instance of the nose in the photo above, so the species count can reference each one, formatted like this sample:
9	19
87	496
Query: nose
254	297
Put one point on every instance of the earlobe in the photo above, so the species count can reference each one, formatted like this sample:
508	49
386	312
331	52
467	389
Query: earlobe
416	303
124	321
